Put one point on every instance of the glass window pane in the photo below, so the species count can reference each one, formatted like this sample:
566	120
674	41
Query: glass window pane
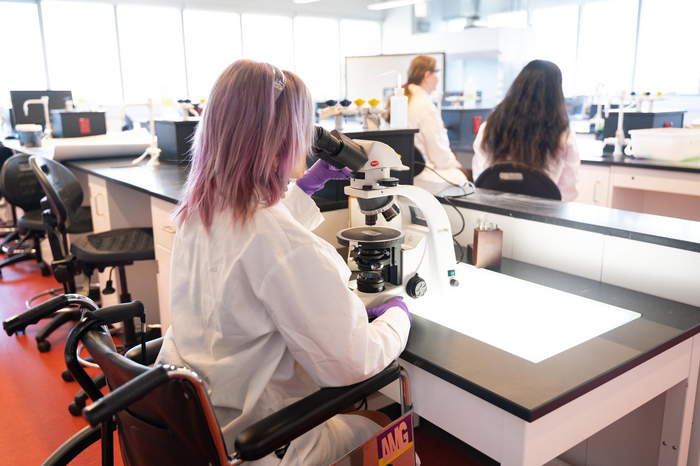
269	39
606	46
667	59
152	53
317	56
212	42
83	59
19	23
556	32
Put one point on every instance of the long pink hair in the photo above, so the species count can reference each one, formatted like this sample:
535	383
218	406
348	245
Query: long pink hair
247	144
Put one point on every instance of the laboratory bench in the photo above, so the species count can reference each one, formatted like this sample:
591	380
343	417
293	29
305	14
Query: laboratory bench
517	412
664	231
163	182
661	187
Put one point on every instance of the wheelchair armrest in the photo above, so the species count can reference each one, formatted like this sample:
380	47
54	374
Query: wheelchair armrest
283	426
152	350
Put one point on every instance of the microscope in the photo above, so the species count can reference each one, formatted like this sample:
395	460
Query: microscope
417	258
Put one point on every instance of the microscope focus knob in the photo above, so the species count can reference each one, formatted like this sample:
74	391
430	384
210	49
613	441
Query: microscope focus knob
416	287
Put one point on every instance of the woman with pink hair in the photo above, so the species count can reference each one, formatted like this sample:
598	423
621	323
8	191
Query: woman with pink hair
259	305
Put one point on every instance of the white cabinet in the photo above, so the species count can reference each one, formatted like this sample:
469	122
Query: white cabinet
115	206
594	185
164	235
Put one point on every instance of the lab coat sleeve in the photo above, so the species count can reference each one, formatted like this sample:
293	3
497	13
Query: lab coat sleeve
480	160
324	324
437	144
303	208
571	163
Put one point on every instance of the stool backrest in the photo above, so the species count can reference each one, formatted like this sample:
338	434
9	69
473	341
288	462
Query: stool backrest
518	179
62	188
174	424
19	185
5	154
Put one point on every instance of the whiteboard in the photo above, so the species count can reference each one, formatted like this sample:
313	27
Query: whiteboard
362	82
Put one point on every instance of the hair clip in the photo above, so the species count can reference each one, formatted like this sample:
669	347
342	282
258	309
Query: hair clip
279	83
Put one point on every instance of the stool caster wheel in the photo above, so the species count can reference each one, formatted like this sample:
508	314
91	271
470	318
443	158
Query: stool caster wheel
66	375
74	410
44	346
45	269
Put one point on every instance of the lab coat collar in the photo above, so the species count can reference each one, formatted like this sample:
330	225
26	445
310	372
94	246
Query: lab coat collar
416	89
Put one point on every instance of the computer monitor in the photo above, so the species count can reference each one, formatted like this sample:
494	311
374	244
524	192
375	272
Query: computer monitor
36	112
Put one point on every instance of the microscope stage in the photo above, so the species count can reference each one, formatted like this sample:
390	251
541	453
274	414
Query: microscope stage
525	319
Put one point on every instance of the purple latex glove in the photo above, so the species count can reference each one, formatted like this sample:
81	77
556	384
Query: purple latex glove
316	177
396	301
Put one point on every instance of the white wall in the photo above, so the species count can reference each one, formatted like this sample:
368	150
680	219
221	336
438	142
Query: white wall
355	9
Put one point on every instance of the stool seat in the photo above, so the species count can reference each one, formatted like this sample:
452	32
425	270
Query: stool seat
115	246
31	221
81	222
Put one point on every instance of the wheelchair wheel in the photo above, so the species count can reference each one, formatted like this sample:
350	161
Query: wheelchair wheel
66	376
75	410
43	346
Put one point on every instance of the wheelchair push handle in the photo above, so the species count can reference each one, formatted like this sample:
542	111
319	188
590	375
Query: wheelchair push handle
32	316
119	312
121	398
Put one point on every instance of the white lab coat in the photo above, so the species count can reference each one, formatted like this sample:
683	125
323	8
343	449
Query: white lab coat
564	172
433	143
264	315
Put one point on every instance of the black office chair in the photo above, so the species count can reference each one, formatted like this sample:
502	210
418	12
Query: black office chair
163	415
114	248
21	189
518	179
8	227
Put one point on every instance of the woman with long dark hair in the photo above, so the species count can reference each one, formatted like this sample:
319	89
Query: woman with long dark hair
530	127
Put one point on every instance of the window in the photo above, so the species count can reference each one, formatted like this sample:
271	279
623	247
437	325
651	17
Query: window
21	20
667	59
606	46
556	32
269	39
212	42
83	59
152	53
317	56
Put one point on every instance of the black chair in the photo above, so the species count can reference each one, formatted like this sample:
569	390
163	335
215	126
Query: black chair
7	228
163	415
114	248
518	179
21	189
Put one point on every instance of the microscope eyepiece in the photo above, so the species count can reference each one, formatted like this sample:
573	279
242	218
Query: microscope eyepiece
339	150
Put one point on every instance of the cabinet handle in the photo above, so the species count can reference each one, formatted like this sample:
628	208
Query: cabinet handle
595	192
167	229
97	205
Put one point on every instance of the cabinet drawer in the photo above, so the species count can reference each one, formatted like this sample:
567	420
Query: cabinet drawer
663	181
163	229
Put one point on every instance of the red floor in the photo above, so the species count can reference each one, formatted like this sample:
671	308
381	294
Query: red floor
34	418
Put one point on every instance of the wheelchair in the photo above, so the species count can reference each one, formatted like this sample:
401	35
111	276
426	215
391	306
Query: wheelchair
163	414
